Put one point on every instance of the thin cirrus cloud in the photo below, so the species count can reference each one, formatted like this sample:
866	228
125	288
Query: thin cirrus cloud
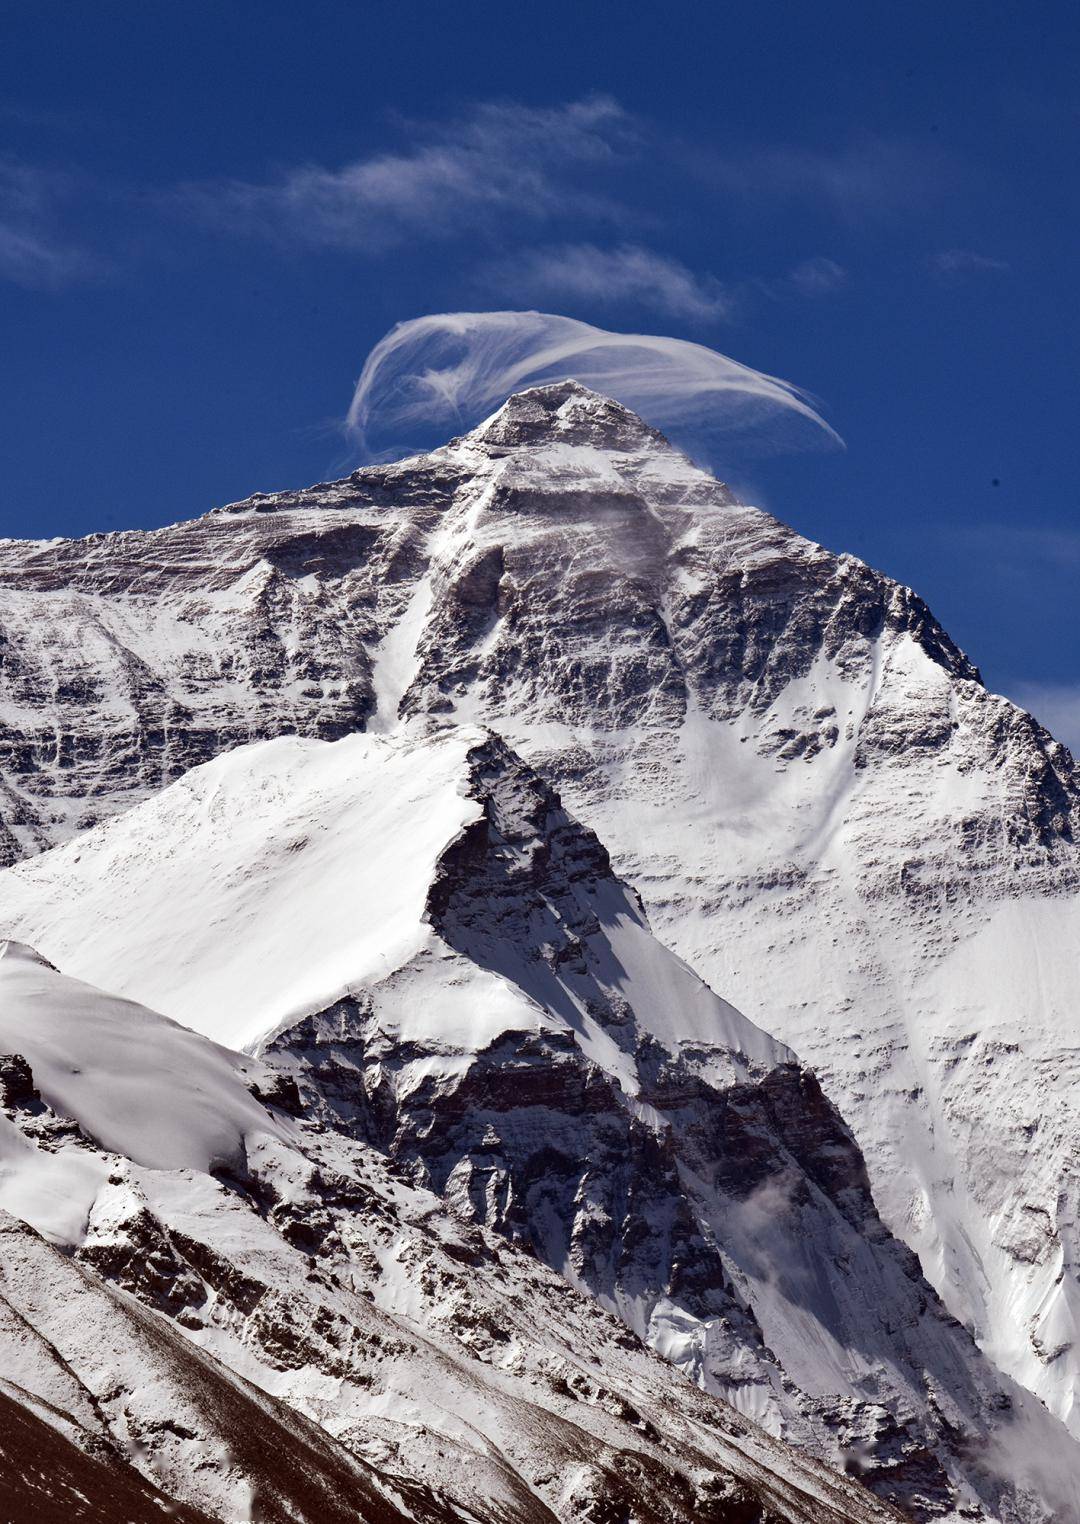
1025	550
872	179
816	277
33	251
819	276
448	370
520	174
952	262
31	259
627	275
502	157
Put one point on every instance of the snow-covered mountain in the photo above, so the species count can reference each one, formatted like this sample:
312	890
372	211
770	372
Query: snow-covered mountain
437	961
824	811
258	1316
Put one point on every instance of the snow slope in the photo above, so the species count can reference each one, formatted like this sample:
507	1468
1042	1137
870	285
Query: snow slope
262	947
414	933
139	1084
301	1336
276	879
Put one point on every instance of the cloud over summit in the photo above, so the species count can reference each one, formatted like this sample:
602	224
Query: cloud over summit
446	371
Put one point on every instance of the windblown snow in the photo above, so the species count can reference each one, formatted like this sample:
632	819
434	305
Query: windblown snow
141	1085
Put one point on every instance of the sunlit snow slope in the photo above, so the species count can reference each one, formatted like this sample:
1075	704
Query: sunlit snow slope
250	1311
416	935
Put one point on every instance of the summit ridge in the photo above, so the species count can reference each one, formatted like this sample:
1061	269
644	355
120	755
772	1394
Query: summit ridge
567	412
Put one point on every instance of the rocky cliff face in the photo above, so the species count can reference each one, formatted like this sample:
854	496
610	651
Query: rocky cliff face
292	1331
562	565
821	807
504	1029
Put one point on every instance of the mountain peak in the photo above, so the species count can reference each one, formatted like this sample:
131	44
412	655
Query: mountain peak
567	412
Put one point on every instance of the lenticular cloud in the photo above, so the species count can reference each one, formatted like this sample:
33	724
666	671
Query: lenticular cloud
449	370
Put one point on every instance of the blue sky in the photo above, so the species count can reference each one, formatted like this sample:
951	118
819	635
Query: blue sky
210	213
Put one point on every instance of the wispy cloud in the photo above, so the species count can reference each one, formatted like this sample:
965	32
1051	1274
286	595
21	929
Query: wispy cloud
818	276
501	157
450	368
1035	548
514	170
624	276
28	259
33	250
873	178
1055	705
811	279
951	262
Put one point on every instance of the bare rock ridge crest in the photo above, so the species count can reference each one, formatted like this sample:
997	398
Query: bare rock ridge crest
602	737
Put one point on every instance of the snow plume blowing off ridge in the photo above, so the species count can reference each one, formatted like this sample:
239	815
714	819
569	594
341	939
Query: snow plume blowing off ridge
449	370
